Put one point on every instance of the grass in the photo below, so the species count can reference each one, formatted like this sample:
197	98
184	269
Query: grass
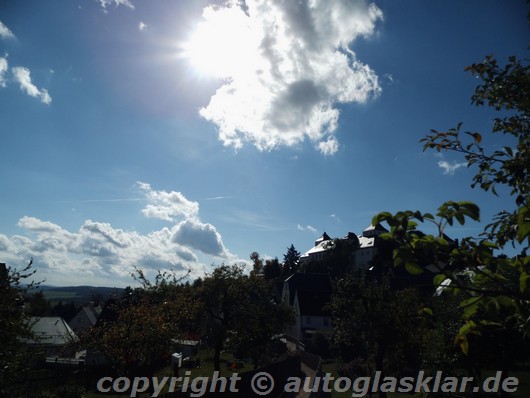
206	369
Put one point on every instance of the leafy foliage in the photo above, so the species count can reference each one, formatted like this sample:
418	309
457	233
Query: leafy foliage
495	288
14	325
506	89
241	312
380	326
138	337
272	269
291	261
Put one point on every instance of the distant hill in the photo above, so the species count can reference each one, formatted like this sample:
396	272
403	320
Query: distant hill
78	294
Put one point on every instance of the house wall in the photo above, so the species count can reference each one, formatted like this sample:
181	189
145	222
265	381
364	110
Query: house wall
316	322
364	256
296	328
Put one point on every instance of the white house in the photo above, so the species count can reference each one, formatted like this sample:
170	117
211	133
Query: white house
52	335
363	247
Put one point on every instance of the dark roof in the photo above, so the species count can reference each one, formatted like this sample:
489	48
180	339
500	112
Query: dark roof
323	238
313	303
312	282
87	313
377	227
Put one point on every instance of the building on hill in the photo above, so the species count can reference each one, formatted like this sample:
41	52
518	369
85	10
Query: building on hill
368	245
363	248
308	294
318	251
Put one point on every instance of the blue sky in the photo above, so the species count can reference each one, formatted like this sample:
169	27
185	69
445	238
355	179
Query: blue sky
170	134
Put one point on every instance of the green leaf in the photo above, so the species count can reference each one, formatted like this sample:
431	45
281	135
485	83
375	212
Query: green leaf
438	279
470	306
413	268
469	327
427	310
383	216
523	223
471	210
460	218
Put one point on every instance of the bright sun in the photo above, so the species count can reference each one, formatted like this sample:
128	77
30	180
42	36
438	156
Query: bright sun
223	45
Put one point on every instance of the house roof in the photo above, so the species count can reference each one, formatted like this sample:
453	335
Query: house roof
50	330
350	236
323	238
313	282
86	317
321	247
377	227
312	303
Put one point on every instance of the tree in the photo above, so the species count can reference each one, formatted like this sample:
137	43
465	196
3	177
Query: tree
291	260
378	326
241	313
272	269
38	305
257	264
257	320
14	326
221	294
136	336
495	287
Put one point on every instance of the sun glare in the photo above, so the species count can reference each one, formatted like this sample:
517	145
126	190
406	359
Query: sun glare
223	45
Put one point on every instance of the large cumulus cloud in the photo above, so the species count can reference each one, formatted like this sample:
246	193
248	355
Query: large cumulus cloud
101	254
298	67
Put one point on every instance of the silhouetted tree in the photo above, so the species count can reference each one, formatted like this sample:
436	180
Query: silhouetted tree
38	305
291	260
241	313
257	263
272	269
14	326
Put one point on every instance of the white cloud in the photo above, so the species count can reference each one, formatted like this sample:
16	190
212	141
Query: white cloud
97	253
100	254
286	65
306	228
190	232
199	236
142	26
329	147
21	75
167	205
5	33
115	3
23	78
449	168
335	217
3	71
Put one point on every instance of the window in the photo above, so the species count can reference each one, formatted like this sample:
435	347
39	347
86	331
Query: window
308	320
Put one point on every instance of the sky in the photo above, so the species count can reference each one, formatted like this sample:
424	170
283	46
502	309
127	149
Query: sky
175	135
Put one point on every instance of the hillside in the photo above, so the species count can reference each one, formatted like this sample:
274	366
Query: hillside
78	294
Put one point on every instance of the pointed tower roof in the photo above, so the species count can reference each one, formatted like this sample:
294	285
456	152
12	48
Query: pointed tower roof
374	230
323	238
